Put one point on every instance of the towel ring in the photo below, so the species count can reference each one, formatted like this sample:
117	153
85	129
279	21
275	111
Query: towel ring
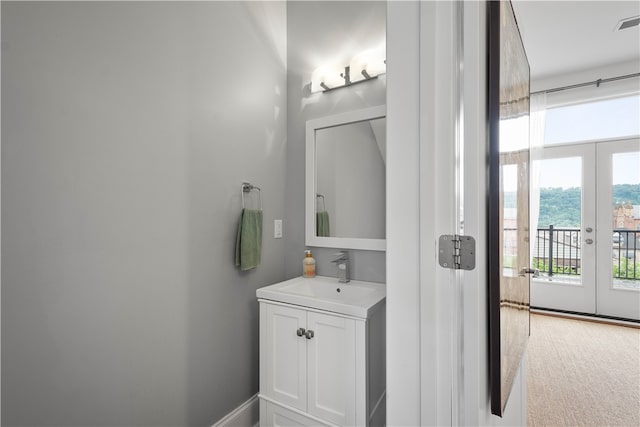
246	188
318	195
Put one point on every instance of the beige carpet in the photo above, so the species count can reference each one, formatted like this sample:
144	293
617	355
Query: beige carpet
582	373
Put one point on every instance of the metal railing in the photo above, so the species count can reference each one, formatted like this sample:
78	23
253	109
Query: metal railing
558	252
626	254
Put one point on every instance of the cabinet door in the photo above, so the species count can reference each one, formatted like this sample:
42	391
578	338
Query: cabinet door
277	416
331	368
286	356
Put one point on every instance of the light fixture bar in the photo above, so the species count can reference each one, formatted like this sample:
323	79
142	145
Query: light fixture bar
350	84
623	24
365	66
347	79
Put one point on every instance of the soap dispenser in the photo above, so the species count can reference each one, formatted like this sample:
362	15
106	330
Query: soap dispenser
308	265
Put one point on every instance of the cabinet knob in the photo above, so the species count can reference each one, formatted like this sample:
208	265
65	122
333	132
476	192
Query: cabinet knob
300	332
309	334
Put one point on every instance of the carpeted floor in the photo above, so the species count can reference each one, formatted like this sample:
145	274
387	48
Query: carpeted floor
582	373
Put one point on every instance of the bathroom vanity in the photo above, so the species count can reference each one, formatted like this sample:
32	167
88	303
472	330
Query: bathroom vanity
322	353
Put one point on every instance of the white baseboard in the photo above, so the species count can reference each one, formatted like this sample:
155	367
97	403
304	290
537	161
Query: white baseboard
245	415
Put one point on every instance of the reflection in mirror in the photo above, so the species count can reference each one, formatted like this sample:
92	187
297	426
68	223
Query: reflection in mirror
350	180
508	234
345	202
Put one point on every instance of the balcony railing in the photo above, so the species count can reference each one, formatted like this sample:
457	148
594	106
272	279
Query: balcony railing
626	254
557	251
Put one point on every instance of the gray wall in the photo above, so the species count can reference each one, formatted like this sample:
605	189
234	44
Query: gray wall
319	33
127	130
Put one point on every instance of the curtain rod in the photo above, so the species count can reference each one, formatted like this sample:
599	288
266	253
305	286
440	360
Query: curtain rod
595	82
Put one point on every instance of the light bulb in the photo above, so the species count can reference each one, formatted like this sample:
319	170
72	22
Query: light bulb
327	77
368	64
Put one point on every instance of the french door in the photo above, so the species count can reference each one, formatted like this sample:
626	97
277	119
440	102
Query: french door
618	232
587	245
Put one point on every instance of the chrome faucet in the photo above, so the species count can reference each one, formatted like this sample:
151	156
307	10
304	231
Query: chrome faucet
342	262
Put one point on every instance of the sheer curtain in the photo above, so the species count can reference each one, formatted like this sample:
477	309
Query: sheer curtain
538	106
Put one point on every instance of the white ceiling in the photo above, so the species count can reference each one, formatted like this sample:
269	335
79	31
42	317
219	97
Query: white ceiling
563	37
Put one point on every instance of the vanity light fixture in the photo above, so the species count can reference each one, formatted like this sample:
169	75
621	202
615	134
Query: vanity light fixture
368	64
365	66
623	24
327	77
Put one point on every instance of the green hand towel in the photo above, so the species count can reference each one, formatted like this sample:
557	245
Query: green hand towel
322	224
249	239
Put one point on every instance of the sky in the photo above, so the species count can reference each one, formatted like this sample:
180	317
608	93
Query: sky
564	173
613	118
567	172
602	120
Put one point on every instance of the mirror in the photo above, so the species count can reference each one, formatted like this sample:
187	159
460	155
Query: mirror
508	215
345	200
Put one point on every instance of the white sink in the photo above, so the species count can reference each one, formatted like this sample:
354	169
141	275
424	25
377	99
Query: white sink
355	298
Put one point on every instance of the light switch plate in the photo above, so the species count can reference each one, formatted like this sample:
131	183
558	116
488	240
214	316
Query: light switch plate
277	229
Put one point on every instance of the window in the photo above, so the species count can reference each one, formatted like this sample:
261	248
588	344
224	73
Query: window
606	119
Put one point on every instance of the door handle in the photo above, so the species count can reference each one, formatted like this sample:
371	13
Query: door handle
526	270
300	332
309	334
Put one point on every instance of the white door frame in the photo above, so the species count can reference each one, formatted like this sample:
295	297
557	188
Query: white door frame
421	204
403	246
437	333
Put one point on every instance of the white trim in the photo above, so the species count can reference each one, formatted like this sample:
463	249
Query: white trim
403	220
592	141
311	417
587	318
438	129
247	414
475	400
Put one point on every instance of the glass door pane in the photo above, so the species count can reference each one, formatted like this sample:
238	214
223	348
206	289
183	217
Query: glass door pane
618	287
564	249
557	242
625	242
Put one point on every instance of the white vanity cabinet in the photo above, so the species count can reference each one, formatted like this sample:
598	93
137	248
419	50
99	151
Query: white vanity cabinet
319	368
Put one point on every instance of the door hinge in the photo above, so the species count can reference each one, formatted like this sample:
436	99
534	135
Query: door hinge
457	252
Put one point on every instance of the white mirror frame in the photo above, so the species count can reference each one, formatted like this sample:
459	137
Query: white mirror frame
310	187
